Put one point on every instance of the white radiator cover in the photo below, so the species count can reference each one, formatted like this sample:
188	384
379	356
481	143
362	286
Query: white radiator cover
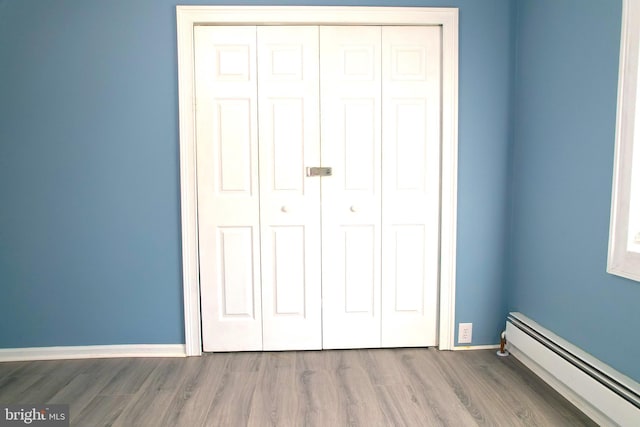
604	394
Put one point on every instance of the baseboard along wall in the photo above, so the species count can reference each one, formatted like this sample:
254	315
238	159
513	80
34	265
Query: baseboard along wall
476	347
92	352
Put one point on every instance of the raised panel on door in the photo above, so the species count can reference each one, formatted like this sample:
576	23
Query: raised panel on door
228	190
410	184
351	197
288	98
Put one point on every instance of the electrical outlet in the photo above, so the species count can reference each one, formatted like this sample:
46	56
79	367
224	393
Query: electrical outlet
465	333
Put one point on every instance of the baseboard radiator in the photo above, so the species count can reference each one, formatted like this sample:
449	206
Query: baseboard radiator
605	395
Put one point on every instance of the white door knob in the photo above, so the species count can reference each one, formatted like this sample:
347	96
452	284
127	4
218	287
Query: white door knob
284	209
353	208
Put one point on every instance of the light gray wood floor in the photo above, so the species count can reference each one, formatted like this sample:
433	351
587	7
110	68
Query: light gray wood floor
384	387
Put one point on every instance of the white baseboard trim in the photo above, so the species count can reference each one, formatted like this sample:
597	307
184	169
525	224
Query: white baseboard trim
92	352
605	395
475	347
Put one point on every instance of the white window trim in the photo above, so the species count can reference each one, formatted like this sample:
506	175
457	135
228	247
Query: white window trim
189	16
621	261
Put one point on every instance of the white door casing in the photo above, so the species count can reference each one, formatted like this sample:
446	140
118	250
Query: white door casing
189	17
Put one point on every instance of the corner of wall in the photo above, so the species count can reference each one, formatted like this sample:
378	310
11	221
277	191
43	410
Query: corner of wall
511	169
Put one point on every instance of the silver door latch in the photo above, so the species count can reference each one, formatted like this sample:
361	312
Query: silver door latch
316	171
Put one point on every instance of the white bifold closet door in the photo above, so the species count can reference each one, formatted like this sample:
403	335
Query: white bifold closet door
380	210
350	78
289	125
290	261
259	216
228	188
411	126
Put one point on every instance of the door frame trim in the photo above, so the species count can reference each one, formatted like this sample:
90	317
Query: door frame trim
189	16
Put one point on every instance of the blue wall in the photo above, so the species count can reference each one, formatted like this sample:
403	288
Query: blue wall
89	181
89	221
567	72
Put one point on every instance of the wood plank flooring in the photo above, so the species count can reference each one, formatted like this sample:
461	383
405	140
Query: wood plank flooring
382	387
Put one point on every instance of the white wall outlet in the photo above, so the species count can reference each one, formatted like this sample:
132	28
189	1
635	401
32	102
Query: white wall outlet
465	333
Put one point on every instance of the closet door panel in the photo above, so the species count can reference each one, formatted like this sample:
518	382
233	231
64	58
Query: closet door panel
351	198
410	184
288	98
228	189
